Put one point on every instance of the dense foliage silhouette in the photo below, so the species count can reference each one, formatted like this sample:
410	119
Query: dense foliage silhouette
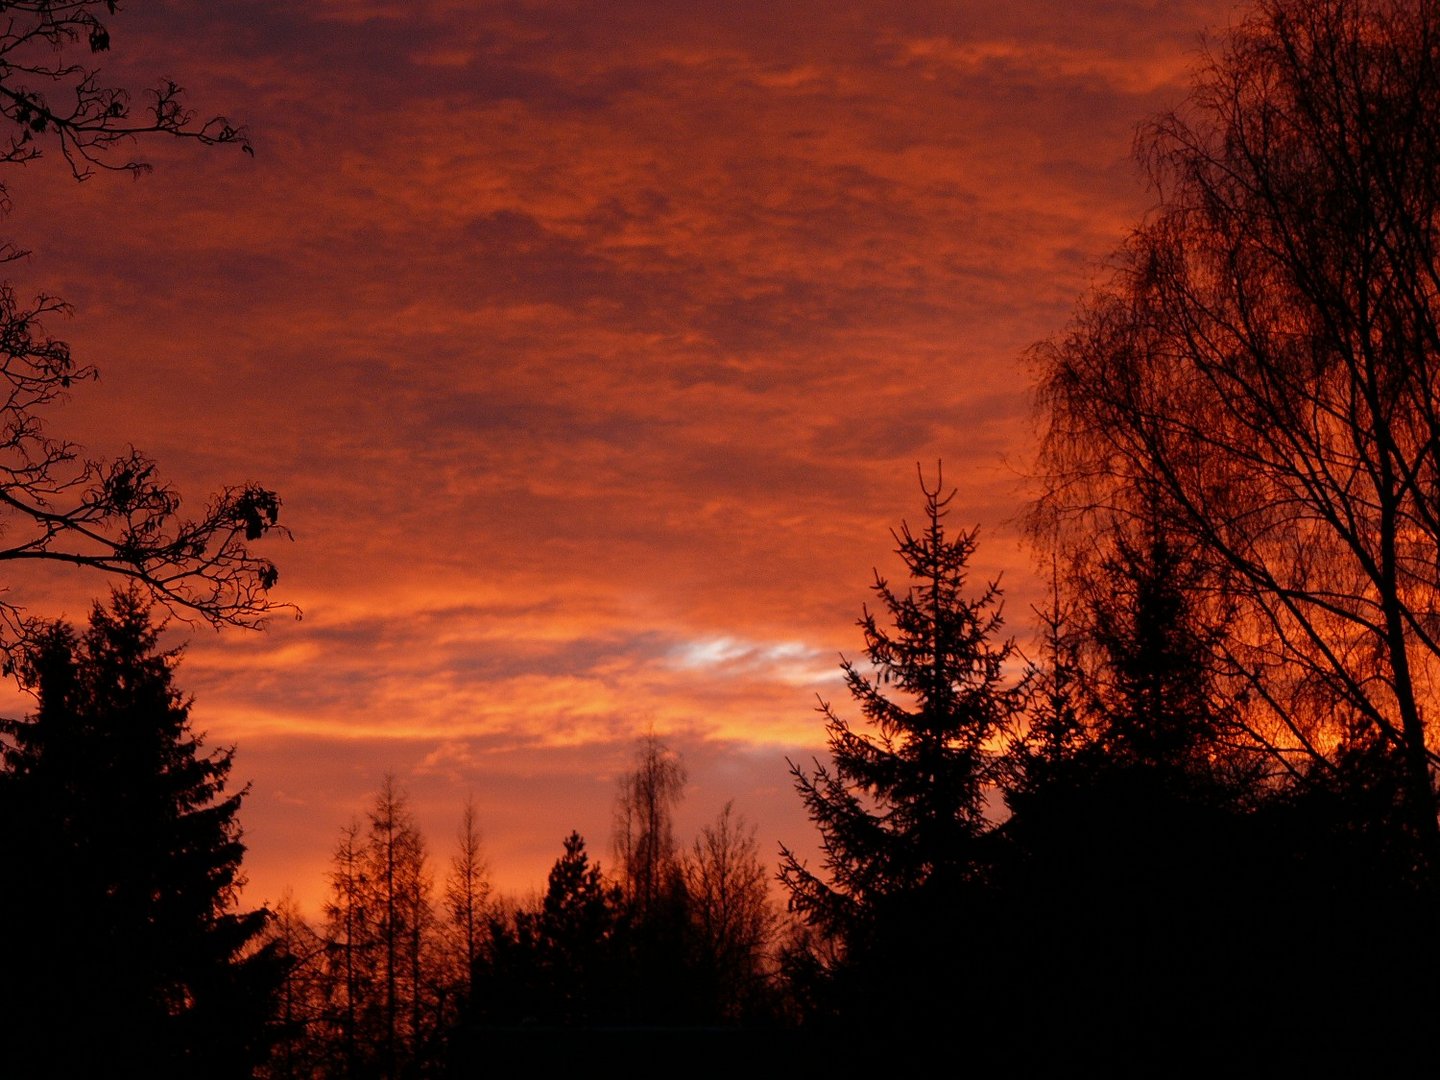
679	939
123	946
562	963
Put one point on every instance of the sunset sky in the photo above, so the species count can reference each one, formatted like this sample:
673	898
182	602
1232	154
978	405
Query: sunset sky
592	348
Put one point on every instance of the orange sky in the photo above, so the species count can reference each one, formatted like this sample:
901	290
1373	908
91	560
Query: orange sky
592	348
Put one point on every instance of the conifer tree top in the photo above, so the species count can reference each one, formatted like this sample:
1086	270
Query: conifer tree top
901	806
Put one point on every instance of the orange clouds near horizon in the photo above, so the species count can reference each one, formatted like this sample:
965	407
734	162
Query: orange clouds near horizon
592	351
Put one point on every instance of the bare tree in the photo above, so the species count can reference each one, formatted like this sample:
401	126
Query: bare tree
467	892
734	920
1262	369
49	95
644	830
380	929
298	1023
117	517
349	949
403	917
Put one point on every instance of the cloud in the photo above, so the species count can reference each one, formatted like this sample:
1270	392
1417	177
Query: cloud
1051	63
785	662
591	349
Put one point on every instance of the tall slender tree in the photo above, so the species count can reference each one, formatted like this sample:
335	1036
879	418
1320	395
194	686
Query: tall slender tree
380	927
660	984
644	824
467	899
298	1042
349	953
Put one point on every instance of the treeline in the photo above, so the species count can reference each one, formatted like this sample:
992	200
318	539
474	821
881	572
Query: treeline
1083	855
405	971
1088	856
125	948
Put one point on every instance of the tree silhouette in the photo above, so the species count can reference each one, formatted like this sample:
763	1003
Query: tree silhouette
1127	872
350	948
1143	840
1154	654
117	517
379	941
297	1045
644	829
124	936
732	920
561	963
467	897
49	96
1261	369
1058	724
902	812
661	981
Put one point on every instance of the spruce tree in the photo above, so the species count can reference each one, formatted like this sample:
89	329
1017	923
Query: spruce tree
902	810
124	936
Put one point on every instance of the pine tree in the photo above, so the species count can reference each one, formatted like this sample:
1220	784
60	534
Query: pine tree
902	812
1132	678
120	827
575	931
1156	658
1132	813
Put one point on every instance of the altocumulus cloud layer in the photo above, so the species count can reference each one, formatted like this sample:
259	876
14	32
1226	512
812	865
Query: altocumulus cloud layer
592	348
